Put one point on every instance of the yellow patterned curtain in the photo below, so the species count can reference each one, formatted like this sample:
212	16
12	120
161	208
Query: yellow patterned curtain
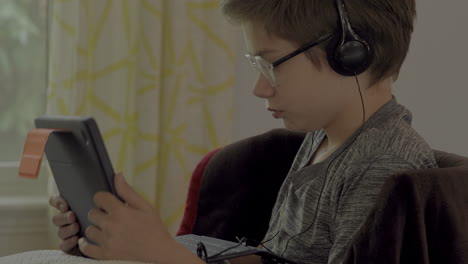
157	75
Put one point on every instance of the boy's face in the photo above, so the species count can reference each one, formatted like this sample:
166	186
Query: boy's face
309	99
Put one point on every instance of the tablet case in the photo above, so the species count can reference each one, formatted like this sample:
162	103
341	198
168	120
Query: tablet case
79	162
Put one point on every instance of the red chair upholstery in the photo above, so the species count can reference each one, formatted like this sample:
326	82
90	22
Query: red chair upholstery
191	205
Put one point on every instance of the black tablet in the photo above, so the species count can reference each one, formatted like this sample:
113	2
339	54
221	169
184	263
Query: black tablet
79	162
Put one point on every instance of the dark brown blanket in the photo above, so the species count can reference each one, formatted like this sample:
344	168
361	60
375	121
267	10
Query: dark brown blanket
240	185
421	216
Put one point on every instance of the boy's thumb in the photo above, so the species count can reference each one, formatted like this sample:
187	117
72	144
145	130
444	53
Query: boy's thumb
128	194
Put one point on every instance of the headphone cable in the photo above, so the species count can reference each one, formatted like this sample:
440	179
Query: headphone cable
326	173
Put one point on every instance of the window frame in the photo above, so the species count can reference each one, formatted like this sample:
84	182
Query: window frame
11	185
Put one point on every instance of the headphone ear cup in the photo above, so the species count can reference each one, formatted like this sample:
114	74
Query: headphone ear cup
331	57
350	58
353	56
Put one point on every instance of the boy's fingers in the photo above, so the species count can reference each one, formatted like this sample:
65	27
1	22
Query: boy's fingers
68	231
53	200
58	202
89	249
75	251
69	244
129	195
62	219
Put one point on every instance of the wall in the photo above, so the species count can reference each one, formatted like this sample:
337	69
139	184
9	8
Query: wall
432	84
23	224
23	211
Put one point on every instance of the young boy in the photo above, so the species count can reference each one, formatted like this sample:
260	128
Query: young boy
327	68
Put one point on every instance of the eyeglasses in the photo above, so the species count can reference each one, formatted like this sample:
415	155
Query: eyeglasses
267	69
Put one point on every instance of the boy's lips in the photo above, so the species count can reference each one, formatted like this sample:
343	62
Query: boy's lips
274	110
276	113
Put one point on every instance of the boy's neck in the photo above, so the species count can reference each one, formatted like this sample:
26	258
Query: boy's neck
351	118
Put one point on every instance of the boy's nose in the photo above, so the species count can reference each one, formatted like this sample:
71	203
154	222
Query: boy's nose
263	88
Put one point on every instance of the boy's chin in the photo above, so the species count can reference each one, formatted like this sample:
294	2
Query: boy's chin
296	127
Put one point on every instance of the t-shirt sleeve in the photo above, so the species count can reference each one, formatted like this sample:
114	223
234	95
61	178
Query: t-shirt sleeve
355	196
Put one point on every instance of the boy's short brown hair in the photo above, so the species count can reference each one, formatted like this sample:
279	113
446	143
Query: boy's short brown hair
387	25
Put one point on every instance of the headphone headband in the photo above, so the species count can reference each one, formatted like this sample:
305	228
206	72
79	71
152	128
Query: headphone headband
348	54
343	16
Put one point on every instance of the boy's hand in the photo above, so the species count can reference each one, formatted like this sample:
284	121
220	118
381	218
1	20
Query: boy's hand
127	231
68	227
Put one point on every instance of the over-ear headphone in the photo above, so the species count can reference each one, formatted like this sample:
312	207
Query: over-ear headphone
348	54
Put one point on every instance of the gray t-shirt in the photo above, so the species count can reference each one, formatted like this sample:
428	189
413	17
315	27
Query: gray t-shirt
321	211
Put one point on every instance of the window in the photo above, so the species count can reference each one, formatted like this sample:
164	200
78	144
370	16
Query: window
23	84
